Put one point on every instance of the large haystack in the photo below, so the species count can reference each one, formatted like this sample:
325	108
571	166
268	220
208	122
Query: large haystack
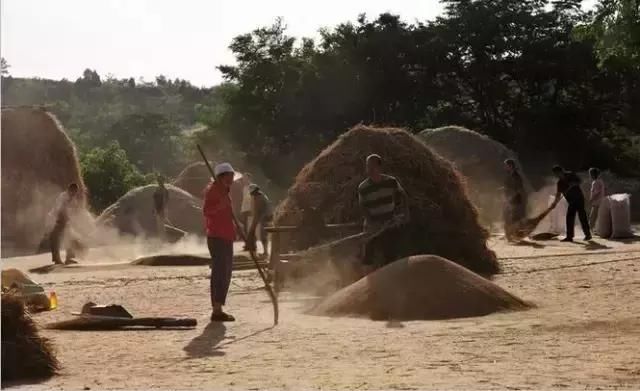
133	212
38	162
25	354
422	287
480	159
193	179
444	222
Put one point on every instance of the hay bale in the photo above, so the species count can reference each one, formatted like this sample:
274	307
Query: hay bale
38	162
480	159
444	222
133	213
25	354
21	285
422	287
194	179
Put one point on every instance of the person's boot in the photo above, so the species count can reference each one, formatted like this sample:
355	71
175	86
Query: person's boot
222	317
567	240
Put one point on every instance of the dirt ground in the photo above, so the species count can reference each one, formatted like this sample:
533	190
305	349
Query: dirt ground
583	334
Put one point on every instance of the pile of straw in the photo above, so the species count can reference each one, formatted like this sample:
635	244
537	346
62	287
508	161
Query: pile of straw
194	179
422	287
38	162
444	222
479	159
133	213
25	354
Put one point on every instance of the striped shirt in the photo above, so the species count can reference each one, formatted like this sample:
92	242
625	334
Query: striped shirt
379	199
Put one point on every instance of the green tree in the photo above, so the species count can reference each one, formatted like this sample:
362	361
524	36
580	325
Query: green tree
4	67
108	175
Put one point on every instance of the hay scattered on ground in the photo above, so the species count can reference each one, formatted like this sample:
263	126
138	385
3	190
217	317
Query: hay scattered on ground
14	281
422	287
38	162
444	222
133	213
480	159
25	354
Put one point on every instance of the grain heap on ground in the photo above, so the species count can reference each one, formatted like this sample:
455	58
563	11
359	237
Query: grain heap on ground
133	213
193	179
38	162
443	220
422	287
479	159
25	354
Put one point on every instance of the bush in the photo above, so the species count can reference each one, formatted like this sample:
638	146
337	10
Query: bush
108	175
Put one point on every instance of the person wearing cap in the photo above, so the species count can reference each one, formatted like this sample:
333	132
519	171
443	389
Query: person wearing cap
221	233
261	213
384	204
568	186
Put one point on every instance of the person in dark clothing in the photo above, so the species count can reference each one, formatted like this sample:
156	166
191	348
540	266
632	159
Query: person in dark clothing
66	207
383	201
160	203
515	195
569	187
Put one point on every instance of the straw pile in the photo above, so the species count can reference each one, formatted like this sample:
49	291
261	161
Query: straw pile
480	159
422	287
443	220
38	162
193	179
133	213
25	354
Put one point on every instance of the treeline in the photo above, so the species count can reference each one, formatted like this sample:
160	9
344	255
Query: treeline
125	130
552	82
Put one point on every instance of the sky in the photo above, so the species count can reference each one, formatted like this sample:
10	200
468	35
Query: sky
183	39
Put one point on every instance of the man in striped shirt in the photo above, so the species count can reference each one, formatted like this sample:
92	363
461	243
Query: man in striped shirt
383	201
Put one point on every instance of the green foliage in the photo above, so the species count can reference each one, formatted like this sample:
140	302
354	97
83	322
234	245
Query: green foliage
510	69
4	67
108	175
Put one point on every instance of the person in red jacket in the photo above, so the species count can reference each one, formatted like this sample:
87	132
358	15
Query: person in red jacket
221	232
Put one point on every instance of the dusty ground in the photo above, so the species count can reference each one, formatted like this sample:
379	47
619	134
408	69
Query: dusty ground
584	333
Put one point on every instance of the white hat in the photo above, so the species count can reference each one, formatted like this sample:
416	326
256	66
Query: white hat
222	168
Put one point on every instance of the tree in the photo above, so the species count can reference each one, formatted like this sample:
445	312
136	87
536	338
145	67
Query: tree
4	67
108	175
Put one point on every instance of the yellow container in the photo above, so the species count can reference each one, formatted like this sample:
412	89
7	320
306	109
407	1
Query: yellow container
53	301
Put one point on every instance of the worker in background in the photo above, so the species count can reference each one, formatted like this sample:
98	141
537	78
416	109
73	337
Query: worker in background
597	194
569	187
385	206
160	205
515	196
67	205
261	215
245	208
221	233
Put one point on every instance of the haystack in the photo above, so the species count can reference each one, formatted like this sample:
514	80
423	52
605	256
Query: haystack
193	179
38	162
479	159
25	354
133	212
422	287
444	222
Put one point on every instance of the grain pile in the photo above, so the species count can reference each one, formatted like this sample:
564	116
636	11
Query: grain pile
25	354
480	159
38	162
133	213
422	287
443	220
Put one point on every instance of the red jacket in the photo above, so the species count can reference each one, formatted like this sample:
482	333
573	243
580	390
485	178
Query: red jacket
218	214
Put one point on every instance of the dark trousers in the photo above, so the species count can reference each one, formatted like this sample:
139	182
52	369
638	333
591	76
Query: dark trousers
382	249
55	239
577	207
221	252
